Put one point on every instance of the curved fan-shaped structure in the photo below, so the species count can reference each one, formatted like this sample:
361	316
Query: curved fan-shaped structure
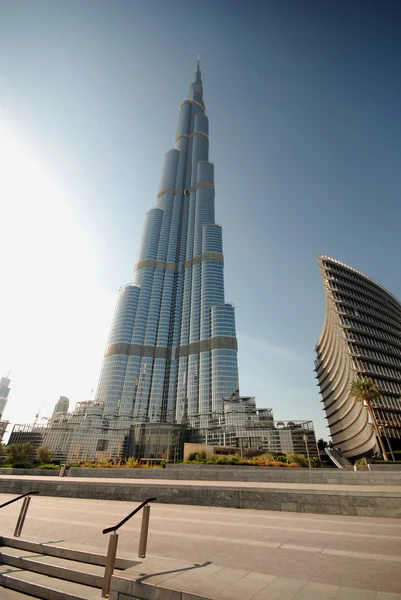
361	337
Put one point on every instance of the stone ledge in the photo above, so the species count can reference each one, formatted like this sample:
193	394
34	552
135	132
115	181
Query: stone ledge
339	502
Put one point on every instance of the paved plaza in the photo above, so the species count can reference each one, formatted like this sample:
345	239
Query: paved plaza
354	552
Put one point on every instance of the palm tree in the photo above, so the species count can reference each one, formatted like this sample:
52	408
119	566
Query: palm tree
364	390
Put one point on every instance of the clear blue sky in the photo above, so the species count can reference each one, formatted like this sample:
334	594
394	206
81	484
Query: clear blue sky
304	103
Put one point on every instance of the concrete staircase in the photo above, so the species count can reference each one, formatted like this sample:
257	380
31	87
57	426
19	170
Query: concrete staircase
32	569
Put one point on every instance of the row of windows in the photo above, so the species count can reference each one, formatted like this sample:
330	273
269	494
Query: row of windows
352	293
354	280
368	352
391	403
371	341
387	386
385	418
366	318
364	327
379	313
380	369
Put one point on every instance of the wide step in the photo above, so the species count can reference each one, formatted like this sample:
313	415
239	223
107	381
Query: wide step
30	569
43	586
61	552
52	566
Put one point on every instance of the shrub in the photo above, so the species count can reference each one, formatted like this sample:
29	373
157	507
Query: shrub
201	457
19	454
274	463
281	457
266	456
234	460
263	460
298	459
49	466
316	463
44	454
149	465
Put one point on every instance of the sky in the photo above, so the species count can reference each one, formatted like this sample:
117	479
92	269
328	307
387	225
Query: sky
303	99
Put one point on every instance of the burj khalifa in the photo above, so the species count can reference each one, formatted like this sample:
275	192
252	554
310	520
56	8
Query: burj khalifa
171	355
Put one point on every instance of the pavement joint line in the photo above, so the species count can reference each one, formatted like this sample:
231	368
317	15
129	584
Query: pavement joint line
257	526
247	542
298	517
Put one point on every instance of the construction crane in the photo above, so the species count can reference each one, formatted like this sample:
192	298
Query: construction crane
38	413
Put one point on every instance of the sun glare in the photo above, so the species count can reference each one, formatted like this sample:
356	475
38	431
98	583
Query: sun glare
52	310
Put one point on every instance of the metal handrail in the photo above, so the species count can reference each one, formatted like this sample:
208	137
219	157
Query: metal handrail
110	529
23	511
18	498
113	541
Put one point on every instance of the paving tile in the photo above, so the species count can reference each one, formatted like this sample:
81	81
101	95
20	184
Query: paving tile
172	570
387	596
265	594
349	593
247	587
153	565
317	591
282	588
185	579
217	582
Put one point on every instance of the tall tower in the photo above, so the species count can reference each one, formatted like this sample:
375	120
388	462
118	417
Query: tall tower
361	337
62	406
172	349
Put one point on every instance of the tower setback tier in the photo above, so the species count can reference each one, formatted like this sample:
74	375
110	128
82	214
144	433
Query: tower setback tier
172	350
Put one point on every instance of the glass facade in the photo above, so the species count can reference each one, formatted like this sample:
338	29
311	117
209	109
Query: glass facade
172	349
361	337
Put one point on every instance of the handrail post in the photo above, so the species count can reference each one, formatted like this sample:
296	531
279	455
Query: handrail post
22	515
143	540
110	562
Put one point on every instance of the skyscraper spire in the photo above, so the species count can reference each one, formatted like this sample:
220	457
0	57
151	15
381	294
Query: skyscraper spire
172	350
196	89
